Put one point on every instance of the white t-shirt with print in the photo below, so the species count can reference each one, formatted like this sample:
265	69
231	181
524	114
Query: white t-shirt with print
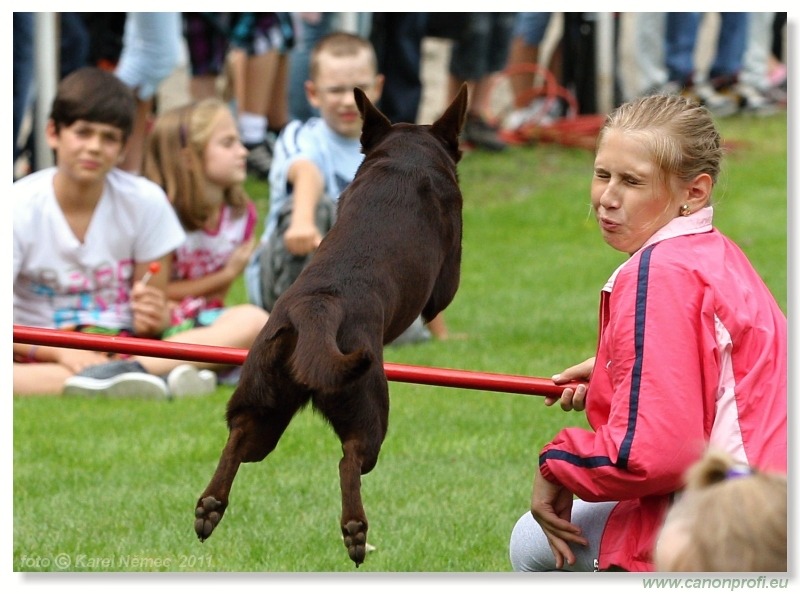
60	282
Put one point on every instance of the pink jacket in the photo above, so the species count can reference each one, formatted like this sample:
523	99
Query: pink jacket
692	351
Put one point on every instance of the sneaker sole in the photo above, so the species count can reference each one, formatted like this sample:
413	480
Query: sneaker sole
125	385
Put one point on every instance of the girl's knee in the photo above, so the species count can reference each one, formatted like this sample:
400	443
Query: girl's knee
249	316
255	314
526	544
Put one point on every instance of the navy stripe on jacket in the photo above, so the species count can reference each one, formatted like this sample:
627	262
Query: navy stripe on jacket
636	381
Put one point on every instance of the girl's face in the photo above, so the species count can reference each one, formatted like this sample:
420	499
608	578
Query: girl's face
630	197
225	158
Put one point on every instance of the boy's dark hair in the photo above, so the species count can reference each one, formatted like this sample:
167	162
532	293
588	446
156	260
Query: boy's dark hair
94	95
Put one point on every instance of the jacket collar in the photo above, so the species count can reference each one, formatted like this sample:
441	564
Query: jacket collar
698	222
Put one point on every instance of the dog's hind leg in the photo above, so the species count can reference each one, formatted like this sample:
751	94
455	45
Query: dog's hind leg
354	519
362	436
253	435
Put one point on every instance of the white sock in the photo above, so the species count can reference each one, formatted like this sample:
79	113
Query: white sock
252	127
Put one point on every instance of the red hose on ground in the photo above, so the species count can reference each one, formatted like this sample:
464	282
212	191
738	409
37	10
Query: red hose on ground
436	376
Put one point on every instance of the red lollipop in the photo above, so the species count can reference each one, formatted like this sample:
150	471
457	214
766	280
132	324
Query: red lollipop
152	269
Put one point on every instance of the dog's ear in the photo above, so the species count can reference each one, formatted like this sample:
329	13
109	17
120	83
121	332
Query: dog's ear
376	125
449	125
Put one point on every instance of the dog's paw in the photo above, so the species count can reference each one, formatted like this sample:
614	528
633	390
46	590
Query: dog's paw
207	515
355	539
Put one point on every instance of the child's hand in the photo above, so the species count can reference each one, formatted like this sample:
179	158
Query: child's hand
150	310
301	238
551	507
572	399
240	257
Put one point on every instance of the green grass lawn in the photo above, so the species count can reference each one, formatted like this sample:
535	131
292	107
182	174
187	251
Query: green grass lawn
111	485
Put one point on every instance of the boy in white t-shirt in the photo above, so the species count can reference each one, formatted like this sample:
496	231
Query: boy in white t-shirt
85	233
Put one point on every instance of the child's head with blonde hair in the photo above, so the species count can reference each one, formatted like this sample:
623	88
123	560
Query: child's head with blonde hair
681	135
729	518
175	160
342	44
339	63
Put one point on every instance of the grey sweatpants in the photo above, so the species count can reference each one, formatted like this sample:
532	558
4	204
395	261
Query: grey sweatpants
530	551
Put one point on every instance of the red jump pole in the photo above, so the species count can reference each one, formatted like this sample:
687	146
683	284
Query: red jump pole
435	376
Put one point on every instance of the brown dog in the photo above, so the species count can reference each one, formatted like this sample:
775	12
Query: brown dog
394	252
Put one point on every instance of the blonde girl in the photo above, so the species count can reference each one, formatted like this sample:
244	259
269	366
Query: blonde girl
691	352
730	518
195	154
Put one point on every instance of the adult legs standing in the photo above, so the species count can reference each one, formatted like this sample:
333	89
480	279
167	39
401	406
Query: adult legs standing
311	27
397	38
681	37
23	71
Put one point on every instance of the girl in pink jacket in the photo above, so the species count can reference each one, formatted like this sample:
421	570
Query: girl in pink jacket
692	352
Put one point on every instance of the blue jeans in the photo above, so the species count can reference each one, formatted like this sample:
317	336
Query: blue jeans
681	38
681	35
731	45
309	34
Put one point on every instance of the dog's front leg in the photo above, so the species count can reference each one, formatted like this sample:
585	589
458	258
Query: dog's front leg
212	503
251	438
354	519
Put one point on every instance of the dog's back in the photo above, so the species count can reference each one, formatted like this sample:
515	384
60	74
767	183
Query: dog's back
394	252
397	245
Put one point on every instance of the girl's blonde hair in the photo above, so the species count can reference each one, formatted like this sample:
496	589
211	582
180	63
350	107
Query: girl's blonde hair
174	160
730	518
680	134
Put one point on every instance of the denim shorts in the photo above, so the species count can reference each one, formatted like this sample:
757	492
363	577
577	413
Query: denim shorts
532	26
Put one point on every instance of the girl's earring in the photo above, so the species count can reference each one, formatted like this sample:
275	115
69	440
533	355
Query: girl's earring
685	211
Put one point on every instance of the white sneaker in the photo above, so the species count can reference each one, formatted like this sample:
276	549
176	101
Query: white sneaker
753	101
532	112
187	380
124	385
718	104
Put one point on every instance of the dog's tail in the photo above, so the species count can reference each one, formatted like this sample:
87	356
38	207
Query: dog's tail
317	361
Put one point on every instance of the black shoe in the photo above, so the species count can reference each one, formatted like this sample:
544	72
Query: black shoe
480	133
